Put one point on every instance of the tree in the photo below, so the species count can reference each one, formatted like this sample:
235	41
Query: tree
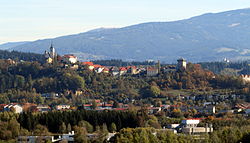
89	128
62	128
41	130
81	135
69	128
113	127
155	91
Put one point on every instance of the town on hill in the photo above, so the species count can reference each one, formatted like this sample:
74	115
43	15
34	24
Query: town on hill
54	98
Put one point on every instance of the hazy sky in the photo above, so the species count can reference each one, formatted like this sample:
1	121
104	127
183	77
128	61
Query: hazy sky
38	19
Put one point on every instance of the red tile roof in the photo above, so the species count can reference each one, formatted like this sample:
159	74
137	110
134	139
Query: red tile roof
97	66
105	69
123	69
69	56
88	63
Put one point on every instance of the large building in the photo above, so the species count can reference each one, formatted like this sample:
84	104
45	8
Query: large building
182	64
189	126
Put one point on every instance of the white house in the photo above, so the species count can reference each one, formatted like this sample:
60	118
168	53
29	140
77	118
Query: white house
189	126
62	107
13	107
69	59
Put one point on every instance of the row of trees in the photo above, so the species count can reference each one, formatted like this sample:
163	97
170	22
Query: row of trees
150	135
21	56
53	120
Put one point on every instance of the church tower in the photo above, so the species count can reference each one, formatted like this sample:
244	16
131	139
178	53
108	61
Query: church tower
182	64
52	51
51	56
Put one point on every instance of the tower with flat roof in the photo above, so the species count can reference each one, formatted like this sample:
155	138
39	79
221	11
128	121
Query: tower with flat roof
182	64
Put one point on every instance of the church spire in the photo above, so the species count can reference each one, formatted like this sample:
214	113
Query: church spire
52	50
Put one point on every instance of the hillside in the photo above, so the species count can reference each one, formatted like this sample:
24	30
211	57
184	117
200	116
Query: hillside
9	45
221	35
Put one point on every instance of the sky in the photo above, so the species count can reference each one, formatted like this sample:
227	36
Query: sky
28	20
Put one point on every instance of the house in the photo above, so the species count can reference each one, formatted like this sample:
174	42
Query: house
98	68
153	110
105	70
13	107
168	69
90	65
132	70
122	70
43	108
49	95
74	66
115	71
104	106
70	59
87	106
209	109
246	78
62	107
152	71
242	105
10	61
172	126
78	92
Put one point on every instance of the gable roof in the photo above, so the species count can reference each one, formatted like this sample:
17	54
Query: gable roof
88	63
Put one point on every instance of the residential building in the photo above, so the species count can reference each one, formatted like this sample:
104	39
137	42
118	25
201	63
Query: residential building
115	71
13	107
246	78
70	59
132	70
62	107
122	70
152	71
90	65
43	108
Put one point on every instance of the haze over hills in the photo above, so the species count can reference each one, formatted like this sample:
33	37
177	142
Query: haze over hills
208	37
9	45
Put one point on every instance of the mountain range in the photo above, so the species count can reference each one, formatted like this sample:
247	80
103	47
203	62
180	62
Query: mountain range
10	45
208	37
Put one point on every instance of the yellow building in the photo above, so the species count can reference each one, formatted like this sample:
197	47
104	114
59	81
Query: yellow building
49	60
